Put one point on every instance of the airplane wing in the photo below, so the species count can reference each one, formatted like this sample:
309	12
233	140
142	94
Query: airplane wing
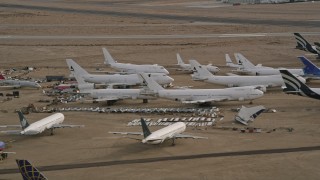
189	136
107	99
9	152
10	126
13	132
205	100
128	133
66	126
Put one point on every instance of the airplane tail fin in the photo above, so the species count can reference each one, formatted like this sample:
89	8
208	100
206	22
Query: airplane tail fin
82	85
28	171
229	61
303	44
108	59
199	72
309	67
150	83
23	121
179	59
76	68
293	84
244	61
145	129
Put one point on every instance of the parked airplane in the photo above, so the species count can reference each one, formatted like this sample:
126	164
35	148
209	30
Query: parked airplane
295	86
170	132
203	96
202	74
28	171
248	114
108	95
3	153
122	79
247	67
303	44
132	68
12	83
48	123
187	67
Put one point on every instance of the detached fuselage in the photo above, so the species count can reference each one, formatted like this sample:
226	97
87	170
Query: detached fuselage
165	133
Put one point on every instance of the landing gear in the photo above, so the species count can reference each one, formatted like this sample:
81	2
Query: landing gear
51	132
173	144
251	102
145	101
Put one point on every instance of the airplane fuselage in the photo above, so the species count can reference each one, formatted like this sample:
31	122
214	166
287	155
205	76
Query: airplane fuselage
204	94
120	94
19	83
165	133
134	68
266	71
236	81
132	79
43	124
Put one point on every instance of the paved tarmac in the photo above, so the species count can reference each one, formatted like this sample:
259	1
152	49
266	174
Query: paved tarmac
275	22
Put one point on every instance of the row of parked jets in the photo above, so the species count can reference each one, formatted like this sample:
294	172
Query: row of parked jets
154	77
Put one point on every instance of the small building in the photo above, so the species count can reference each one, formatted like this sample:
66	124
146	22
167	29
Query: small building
54	78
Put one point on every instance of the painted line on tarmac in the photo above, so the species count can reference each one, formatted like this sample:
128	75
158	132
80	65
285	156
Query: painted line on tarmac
168	158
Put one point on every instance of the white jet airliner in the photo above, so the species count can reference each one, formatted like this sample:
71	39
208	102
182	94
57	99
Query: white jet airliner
263	82
247	67
203	96
132	68
188	68
122	79
170	132
48	123
13	83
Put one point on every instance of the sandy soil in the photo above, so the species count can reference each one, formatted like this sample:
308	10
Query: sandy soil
94	144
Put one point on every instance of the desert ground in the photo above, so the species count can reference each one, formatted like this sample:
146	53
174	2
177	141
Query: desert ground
42	34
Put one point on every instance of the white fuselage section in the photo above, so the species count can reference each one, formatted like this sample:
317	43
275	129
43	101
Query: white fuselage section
43	124
165	133
120	94
231	94
237	81
19	83
134	68
131	79
265	71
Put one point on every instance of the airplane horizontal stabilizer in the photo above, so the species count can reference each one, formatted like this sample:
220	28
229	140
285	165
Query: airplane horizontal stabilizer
11	132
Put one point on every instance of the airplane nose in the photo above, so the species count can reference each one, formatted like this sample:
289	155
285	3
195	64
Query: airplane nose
259	93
